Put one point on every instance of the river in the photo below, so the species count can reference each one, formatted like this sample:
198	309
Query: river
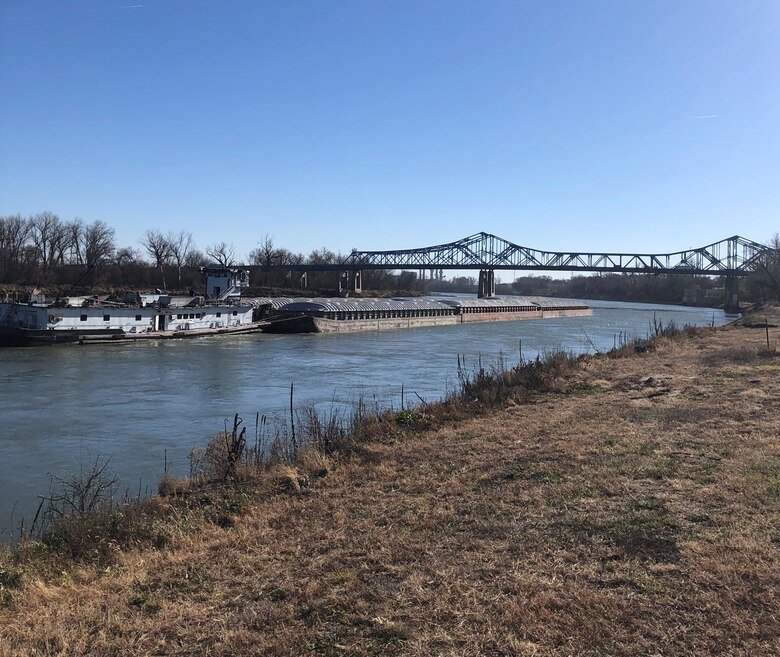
61	407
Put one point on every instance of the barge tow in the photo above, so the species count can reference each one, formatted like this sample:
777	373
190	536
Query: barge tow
322	315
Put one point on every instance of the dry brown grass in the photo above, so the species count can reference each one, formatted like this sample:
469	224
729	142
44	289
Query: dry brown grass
633	509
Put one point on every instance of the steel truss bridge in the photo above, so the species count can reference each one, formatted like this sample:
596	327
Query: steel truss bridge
733	256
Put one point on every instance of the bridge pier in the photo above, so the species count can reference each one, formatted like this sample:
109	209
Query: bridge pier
731	302
350	281
487	284
302	282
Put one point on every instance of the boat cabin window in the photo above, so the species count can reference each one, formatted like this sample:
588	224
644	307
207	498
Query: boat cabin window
178	316
235	312
138	318
106	318
83	318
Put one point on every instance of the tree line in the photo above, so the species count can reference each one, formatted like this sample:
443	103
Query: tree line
662	288
44	250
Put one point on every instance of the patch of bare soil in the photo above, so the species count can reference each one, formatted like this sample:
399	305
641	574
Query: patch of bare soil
637	514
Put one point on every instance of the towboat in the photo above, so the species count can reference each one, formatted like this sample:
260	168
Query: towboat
95	319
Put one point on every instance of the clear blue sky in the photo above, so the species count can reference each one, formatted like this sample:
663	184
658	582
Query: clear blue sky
601	125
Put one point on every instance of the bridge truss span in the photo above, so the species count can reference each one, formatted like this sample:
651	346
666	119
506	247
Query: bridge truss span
733	256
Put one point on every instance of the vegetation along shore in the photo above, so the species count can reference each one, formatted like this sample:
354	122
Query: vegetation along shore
68	257
619	504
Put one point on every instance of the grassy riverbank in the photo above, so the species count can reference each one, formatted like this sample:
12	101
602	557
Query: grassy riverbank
624	504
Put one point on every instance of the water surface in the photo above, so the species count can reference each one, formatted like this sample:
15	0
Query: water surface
132	402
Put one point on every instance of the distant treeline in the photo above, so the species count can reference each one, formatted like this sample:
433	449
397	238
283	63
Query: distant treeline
614	287
761	286
45	251
624	287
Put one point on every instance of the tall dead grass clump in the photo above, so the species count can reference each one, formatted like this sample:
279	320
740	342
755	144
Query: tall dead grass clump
224	456
498	383
304	441
83	520
672	329
657	335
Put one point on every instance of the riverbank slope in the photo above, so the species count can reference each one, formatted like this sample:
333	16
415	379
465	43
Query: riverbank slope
632	507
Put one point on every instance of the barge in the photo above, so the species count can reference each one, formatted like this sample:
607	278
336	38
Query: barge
322	315
138	316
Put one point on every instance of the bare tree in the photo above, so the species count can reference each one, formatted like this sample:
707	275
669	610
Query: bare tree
47	234
28	257
223	254
59	244
14	232
99	243
195	259
127	255
289	258
180	245
75	240
323	256
159	248
263	255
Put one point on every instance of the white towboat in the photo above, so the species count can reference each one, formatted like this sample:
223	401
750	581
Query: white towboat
137	316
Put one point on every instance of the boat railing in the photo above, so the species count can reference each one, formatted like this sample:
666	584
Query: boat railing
220	301
102	303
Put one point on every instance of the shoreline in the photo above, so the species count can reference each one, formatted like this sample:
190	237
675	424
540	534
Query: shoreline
609	488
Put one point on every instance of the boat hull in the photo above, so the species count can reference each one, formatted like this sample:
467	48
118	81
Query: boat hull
20	337
314	324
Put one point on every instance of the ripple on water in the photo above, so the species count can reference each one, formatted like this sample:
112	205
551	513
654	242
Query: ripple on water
133	402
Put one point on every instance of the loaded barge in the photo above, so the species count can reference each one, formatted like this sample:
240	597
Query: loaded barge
93	319
338	315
